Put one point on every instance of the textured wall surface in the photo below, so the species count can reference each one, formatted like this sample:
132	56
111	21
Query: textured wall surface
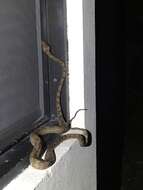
77	169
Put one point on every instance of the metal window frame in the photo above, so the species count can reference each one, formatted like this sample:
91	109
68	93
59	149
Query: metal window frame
14	158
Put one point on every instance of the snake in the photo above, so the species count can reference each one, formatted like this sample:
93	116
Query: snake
62	129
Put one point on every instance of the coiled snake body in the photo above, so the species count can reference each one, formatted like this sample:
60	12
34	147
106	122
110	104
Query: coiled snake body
63	128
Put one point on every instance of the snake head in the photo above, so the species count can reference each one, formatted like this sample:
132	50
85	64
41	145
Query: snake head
45	47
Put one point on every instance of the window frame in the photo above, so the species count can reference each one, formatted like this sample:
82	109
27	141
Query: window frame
15	157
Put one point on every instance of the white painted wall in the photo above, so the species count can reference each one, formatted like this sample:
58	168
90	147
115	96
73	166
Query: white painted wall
77	168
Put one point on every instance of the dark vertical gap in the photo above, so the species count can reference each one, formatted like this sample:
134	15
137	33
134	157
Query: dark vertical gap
111	104
133	156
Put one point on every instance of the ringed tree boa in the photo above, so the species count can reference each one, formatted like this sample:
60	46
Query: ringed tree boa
63	128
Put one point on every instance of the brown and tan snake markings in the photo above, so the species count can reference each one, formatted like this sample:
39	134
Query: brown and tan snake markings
62	129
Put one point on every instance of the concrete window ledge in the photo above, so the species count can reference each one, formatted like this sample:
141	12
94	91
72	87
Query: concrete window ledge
30	178
75	169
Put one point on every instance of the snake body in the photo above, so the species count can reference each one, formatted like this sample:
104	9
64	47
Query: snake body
61	121
63	128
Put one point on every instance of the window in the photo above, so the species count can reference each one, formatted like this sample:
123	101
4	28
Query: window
28	82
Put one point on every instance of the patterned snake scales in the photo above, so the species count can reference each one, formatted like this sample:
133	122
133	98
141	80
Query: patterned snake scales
62	128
